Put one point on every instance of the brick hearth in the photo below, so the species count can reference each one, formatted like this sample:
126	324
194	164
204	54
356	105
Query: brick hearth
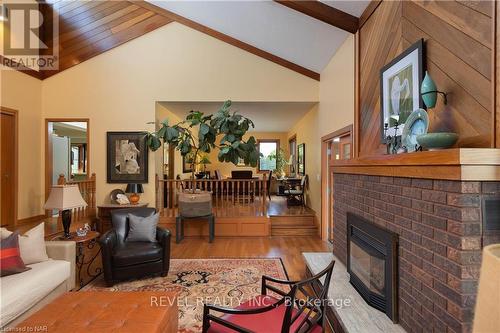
440	240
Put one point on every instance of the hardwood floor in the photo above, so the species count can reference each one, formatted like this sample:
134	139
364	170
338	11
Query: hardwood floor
289	249
278	207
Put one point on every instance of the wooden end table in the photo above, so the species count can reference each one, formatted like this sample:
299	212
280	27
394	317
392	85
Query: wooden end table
104	214
88	262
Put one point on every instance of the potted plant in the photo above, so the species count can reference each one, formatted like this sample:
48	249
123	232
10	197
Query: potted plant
281	162
203	160
198	134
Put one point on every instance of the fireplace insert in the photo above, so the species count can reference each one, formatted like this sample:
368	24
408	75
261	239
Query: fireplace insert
372	264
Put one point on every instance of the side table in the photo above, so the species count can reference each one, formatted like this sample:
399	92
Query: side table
104	214
88	261
179	227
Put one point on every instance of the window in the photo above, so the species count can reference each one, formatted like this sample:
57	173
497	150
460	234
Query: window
267	148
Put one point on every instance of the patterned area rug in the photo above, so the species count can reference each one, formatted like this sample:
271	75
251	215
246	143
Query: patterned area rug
225	282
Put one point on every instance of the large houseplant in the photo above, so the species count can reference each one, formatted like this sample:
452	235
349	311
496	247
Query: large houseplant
198	133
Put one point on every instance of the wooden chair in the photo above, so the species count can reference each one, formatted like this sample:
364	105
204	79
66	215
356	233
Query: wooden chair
296	195
299	310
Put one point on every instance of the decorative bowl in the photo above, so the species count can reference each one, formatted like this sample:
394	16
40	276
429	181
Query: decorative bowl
437	140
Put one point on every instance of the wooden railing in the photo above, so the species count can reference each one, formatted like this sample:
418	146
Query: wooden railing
230	197
87	190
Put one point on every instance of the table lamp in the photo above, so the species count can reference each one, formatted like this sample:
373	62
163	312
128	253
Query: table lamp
65	198
134	189
487	315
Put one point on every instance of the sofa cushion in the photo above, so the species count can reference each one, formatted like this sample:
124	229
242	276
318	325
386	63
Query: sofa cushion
31	244
142	229
10	256
133	253
19	292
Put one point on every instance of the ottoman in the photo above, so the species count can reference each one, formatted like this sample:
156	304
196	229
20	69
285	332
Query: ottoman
96	311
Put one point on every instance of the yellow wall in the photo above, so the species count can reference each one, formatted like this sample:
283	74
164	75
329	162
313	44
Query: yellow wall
23	93
335	110
307	131
118	89
336	90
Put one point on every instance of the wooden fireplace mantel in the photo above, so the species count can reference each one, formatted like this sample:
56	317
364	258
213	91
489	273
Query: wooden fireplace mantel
468	164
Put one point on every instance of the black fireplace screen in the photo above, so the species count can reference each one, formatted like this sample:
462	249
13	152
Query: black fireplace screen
372	264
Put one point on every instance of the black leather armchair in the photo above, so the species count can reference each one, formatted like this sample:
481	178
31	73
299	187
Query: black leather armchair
123	260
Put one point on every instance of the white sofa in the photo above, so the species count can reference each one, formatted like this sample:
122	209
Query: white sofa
25	293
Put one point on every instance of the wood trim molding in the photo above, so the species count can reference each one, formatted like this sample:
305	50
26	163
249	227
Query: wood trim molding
480	164
15	114
372	6
20	68
324	13
230	40
495	67
342	131
325	177
31	219
48	149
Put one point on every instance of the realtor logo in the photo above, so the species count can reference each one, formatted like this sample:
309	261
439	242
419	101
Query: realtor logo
30	36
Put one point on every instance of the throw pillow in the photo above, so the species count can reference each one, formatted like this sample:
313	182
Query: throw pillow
142	229
31	244
10	257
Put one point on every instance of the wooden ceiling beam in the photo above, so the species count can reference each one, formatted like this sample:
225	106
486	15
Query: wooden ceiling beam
324	13
228	39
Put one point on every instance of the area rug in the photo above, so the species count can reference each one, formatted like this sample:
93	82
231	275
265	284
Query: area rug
224	282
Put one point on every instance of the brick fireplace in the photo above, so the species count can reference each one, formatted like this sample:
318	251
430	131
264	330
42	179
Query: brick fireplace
441	234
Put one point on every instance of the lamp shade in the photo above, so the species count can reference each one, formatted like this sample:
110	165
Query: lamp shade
428	90
134	188
64	197
487	315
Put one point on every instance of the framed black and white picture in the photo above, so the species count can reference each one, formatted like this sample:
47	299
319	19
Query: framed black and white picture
301	159
127	157
400	82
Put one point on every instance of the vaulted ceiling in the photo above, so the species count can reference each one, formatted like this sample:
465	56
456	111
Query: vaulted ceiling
89	28
299	35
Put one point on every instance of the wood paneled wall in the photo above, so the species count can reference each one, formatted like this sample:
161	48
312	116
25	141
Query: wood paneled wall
458	55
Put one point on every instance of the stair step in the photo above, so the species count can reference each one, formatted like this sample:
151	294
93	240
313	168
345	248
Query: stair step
294	231
292	220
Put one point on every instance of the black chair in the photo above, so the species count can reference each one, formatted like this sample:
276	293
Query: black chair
295	194
123	260
269	184
241	174
302	309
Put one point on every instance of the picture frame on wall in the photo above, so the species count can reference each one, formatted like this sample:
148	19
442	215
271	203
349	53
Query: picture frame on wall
301	159
127	157
400	82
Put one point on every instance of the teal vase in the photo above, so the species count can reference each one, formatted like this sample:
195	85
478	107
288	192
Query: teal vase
427	86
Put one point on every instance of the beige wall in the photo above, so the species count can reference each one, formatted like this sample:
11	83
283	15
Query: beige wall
118	89
23	93
335	110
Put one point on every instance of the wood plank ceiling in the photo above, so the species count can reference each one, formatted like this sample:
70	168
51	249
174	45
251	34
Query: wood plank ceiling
89	28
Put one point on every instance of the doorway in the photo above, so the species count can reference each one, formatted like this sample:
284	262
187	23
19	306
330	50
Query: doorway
8	166
334	146
67	150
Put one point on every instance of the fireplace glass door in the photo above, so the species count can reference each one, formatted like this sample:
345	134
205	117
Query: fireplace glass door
369	268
